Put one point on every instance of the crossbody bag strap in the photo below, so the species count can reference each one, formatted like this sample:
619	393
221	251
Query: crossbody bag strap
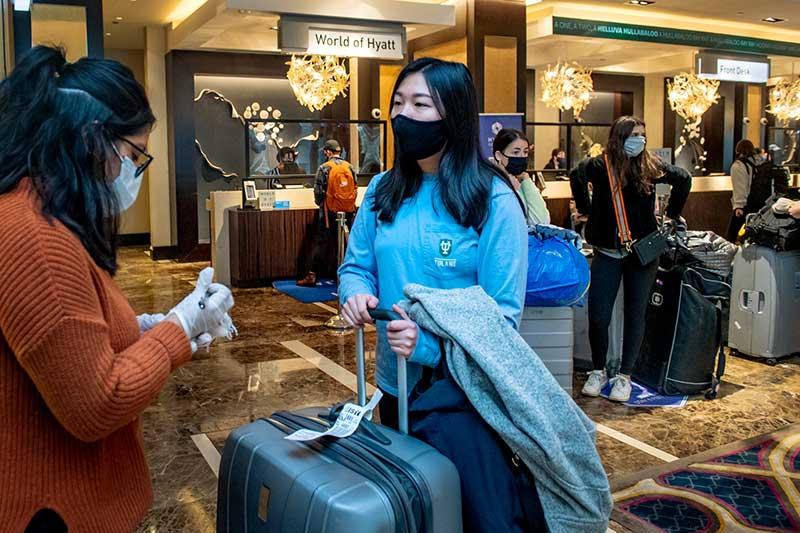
623	228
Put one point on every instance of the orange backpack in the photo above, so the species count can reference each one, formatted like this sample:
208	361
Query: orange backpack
342	188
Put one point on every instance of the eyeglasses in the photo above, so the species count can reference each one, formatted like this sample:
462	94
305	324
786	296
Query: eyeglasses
140	168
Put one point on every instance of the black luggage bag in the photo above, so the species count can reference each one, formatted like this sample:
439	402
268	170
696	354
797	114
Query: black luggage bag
767	228
682	351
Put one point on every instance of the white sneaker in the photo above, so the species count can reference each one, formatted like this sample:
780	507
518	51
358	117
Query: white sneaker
594	385
621	391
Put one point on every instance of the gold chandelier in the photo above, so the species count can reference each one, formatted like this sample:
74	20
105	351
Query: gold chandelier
690	97
784	101
317	80
567	86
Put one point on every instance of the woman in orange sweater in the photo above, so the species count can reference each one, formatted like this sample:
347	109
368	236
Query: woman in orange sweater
76	371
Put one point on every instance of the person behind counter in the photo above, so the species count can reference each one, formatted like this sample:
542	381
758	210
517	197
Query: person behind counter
638	171
558	160
335	190
287	165
510	149
77	368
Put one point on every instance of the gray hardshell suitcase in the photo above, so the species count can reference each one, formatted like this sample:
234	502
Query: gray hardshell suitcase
550	331
765	300
376	480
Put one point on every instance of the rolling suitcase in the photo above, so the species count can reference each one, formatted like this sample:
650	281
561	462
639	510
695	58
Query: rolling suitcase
550	332
376	480
764	303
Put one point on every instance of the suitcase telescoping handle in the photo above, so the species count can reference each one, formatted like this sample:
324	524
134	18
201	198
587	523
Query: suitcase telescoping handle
361	374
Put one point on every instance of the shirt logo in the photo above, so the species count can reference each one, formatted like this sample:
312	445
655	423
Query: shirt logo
445	247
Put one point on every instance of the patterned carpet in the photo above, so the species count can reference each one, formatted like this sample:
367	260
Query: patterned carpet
751	485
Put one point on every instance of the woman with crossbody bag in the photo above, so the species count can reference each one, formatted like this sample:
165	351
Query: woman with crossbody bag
623	229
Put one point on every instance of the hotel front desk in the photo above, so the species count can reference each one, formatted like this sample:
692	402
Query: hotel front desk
252	248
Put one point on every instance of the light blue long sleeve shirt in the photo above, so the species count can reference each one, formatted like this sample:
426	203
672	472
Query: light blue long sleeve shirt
425	245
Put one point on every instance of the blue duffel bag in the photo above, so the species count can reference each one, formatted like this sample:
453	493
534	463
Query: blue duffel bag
558	273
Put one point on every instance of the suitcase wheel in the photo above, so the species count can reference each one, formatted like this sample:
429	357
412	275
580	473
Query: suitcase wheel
772	361
711	394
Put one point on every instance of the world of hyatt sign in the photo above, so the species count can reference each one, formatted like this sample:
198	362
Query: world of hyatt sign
355	44
631	32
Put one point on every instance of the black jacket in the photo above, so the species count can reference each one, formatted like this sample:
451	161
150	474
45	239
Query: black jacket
601	230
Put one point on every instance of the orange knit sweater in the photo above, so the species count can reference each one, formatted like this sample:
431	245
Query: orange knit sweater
75	374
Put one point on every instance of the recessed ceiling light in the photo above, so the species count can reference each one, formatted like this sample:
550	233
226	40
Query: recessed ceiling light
641	2
117	18
108	34
773	20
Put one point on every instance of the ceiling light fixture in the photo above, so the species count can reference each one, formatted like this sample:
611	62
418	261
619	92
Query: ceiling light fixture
690	97
641	2
118	18
317	80
773	20
567	86
108	34
784	101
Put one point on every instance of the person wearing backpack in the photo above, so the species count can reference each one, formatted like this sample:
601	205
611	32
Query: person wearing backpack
750	178
335	191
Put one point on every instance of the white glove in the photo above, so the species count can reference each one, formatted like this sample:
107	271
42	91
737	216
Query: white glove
148	322
202	342
206	308
782	206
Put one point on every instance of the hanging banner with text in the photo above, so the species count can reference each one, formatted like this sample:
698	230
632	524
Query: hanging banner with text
355	44
652	34
491	124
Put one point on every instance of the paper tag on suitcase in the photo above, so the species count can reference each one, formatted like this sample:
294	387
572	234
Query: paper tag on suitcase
347	423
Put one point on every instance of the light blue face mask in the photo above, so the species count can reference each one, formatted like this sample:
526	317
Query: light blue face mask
635	145
126	185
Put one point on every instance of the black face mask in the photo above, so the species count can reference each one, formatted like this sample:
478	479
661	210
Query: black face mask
417	139
516	165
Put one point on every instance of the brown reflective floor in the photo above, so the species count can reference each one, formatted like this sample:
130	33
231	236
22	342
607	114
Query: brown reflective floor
256	374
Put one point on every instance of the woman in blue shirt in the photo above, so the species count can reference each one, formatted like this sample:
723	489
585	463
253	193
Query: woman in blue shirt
442	217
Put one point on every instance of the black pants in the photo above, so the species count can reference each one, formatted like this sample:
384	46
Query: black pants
324	254
607	273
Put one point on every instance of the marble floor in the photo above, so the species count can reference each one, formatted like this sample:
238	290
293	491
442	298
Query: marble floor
274	364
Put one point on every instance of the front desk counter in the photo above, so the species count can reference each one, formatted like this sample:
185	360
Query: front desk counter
269	244
251	248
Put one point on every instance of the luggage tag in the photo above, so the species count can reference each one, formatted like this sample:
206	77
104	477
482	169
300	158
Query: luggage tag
347	423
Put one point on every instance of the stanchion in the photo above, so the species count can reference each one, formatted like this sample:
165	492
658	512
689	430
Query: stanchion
337	322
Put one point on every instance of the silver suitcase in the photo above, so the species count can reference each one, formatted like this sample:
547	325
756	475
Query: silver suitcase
377	480
550	332
765	303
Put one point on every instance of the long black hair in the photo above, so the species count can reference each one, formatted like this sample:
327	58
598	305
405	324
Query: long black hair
465	177
640	171
59	121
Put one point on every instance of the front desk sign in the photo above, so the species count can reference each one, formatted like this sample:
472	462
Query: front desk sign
736	69
355	44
